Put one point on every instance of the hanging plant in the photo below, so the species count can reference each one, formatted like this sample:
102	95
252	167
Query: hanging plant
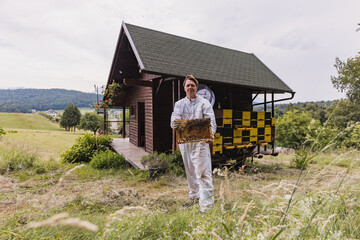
110	93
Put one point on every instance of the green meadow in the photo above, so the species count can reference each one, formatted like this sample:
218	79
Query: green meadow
43	198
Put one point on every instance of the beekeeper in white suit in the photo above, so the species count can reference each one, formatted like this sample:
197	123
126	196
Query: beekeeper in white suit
196	155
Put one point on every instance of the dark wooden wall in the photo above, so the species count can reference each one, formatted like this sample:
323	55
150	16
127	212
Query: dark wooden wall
163	107
231	97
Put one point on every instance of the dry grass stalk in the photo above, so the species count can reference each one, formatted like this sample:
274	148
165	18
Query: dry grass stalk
67	173
188	234
259	193
327	221
215	235
131	172
243	217
274	229
121	212
59	219
221	196
227	185
77	222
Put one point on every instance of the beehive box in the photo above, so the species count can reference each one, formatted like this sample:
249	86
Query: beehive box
194	130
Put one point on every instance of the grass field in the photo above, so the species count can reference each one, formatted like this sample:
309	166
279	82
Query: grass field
267	200
15	121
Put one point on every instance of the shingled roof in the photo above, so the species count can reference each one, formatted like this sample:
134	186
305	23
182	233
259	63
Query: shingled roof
163	53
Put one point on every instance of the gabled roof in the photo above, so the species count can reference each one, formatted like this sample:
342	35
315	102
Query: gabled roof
163	53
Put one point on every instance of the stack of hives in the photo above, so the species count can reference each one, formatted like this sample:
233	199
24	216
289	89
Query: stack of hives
242	129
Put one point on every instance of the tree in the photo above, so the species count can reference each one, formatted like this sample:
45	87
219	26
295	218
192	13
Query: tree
70	118
348	79
90	121
292	128
343	112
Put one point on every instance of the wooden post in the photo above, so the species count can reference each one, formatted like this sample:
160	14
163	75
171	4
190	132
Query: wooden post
173	131
273	115
105	122
124	123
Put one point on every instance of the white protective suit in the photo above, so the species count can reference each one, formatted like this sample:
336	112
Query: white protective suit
196	155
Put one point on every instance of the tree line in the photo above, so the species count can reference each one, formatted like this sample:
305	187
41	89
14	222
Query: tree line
24	100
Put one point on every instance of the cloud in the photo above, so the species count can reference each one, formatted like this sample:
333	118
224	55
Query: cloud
70	44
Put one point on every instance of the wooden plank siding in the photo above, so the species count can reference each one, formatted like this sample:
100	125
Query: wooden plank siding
141	94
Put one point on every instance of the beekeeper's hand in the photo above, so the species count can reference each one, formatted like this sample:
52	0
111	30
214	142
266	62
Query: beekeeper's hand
210	140
176	124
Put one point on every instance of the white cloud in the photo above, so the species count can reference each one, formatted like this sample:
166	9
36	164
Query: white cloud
70	44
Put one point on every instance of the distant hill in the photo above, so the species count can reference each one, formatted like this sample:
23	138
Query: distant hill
24	100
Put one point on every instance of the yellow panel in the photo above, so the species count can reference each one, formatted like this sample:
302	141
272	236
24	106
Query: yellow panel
237	133
268	138
218	140
227	113
217	148
227	121
253	132
240	145
253	139
246	115
267	131
246	122
273	120
261	115
261	123
237	140
229	147
249	145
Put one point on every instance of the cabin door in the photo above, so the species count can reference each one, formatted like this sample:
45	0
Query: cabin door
141	124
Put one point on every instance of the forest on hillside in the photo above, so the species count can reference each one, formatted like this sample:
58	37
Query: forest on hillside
24	100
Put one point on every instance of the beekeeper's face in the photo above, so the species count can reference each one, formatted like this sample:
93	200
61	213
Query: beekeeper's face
190	88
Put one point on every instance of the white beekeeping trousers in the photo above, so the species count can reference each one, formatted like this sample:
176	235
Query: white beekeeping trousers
197	162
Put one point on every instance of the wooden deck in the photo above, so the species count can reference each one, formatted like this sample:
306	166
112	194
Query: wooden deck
132	153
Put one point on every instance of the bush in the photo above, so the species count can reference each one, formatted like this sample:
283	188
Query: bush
170	162
301	159
85	147
13	161
108	159
156	160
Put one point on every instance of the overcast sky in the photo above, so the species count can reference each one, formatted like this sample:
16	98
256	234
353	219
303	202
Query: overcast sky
70	43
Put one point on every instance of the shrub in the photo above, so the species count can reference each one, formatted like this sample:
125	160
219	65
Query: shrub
85	147
172	163
156	160
13	161
300	159
108	159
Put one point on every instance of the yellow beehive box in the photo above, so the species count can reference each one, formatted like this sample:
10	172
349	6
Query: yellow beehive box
268	131
273	120
237	133
218	140
217	149
253	132
261	123
247	116
227	113
227	122
268	138
237	140
246	122
261	115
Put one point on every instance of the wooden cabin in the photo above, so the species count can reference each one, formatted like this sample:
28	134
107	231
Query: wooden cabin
151	66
